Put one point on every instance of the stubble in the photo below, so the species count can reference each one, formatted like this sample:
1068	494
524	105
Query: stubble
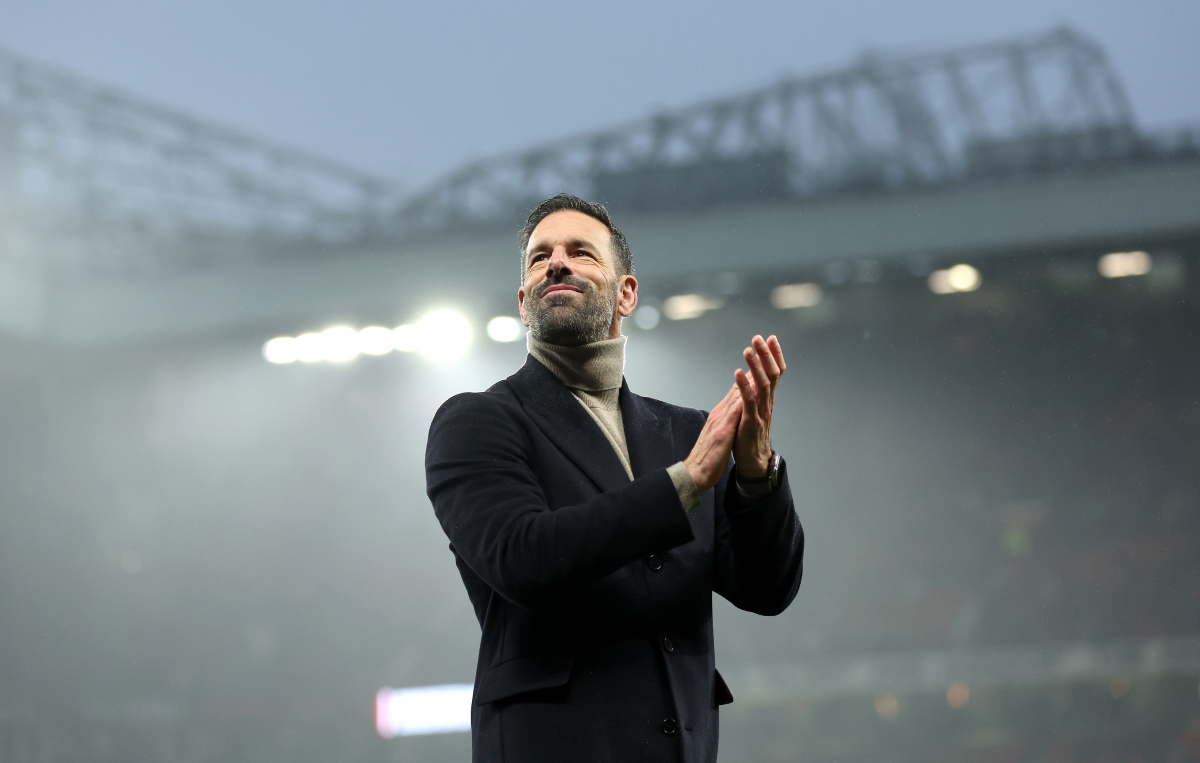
568	320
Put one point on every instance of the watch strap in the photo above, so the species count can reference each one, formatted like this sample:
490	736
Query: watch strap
760	486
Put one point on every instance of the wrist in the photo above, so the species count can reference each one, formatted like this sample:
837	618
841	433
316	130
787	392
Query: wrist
769	480
754	469
696	475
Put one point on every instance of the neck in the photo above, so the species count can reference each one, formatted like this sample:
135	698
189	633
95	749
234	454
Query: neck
591	367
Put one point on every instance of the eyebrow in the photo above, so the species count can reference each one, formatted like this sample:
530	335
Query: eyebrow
575	243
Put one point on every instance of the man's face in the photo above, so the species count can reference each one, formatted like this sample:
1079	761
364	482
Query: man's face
572	294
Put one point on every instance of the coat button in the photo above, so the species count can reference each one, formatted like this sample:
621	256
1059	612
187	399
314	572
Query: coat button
669	726
655	562
667	645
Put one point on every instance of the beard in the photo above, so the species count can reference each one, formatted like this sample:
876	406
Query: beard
571	321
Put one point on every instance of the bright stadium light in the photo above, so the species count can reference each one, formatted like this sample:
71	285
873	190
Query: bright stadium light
956	279
444	335
1124	264
423	710
793	295
310	347
376	340
341	343
407	338
684	307
281	349
504	328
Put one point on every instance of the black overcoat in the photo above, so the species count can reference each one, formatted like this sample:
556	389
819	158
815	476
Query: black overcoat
594	593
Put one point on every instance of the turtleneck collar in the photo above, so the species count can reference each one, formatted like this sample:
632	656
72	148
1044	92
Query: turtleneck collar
594	367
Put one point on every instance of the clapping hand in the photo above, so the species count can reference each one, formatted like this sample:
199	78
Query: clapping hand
740	425
752	444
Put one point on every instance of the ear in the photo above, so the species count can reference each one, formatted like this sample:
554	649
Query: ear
521	305
627	296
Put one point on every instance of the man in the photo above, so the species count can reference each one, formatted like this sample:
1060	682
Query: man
591	525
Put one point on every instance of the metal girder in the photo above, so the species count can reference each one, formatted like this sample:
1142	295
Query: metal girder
886	121
94	179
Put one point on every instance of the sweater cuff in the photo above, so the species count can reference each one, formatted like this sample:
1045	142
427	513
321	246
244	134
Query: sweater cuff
689	493
752	489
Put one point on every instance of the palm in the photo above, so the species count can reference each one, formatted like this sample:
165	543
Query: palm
752	443
740	425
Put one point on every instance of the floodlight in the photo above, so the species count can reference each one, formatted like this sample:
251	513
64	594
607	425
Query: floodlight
376	340
341	343
1124	264
423	710
504	328
793	295
281	349
684	307
407	338
956	279
444	335
310	347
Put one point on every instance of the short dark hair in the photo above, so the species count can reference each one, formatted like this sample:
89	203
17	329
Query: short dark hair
566	202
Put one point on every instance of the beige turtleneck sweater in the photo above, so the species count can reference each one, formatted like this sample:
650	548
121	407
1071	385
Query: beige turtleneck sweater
593	372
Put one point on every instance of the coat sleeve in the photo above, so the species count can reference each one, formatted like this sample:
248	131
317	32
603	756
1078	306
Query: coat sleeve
490	504
759	554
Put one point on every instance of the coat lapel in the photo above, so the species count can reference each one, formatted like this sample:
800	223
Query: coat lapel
648	436
560	416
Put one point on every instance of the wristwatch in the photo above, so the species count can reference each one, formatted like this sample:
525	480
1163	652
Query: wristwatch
770	481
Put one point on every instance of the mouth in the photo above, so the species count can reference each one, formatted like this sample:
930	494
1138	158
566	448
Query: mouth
558	288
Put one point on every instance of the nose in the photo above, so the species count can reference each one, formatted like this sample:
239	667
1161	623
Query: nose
559	263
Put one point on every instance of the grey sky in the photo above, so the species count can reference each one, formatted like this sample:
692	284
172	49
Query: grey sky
411	90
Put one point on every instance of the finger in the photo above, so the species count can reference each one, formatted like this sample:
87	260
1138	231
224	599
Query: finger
748	393
736	392
756	369
751	415
725	429
727	402
722	420
733	392
777	351
742	379
766	383
767	358
733	416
